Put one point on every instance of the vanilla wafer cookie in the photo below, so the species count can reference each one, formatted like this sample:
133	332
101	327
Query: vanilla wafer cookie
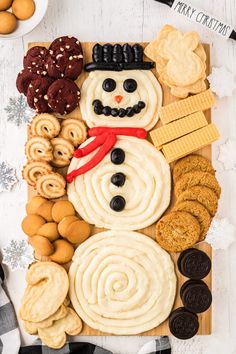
192	104
191	142
175	130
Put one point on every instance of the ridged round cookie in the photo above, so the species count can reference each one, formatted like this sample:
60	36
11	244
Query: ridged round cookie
73	130
197	178
51	185
45	125
199	212
177	231
192	163
203	195
38	148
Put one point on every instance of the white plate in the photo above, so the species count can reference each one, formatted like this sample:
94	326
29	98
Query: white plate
27	26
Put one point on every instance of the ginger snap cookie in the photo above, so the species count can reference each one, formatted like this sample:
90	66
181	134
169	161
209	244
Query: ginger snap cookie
199	212
203	195
192	163
177	231
197	178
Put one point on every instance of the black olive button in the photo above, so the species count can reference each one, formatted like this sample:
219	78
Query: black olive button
118	179
117	203
109	85
141	104
130	85
117	156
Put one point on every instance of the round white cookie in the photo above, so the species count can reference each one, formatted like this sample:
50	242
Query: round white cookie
122	282
146	190
148	90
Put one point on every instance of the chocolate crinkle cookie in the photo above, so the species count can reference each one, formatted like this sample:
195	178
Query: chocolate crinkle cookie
183	324
63	96
65	59
36	94
35	60
24	79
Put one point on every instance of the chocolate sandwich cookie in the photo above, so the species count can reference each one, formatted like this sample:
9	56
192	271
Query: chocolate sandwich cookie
35	60
36	94
23	80
196	296
183	324
194	264
63	96
66	58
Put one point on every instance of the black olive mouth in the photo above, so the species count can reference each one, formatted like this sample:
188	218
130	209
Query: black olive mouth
107	111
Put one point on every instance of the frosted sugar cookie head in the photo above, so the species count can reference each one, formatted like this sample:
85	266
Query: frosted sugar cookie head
120	90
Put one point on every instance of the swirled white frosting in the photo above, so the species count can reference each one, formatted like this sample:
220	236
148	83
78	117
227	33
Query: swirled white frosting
146	189
122	282
148	90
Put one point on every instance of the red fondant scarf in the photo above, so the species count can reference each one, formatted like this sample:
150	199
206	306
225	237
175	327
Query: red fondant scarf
106	139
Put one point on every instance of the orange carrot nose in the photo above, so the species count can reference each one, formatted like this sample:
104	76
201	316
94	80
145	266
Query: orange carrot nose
118	98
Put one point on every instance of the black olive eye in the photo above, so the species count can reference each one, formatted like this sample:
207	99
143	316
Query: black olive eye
109	85
130	85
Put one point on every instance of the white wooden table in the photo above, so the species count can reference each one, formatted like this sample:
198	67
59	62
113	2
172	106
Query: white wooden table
126	20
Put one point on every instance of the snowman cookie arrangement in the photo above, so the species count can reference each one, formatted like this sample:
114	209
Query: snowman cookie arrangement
117	179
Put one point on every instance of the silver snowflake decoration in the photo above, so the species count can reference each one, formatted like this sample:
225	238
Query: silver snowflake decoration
227	154
18	111
18	254
7	176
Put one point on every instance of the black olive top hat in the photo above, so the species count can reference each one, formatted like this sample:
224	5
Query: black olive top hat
116	58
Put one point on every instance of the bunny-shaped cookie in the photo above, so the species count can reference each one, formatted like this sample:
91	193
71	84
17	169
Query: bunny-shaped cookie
55	335
184	67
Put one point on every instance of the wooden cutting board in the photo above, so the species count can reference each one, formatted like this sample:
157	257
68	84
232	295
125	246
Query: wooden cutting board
205	319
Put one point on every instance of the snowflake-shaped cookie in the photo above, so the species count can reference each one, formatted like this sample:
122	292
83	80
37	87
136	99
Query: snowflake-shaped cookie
222	82
18	254
18	111
220	234
227	154
7	176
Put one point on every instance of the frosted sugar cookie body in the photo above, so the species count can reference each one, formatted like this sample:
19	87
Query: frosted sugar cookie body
122	282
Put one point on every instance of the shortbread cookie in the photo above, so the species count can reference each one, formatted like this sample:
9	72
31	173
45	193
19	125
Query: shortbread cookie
35	59
38	148
192	163
184	67
196	296
33	170
23	80
45	125
46	290
194	263
203	195
177	231
51	185
36	93
32	327
73	130
62	152
197	178
55	335
183	324
135	282
63	96
96	198
199	212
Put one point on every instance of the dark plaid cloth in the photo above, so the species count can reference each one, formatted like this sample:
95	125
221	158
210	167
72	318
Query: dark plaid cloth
10	336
